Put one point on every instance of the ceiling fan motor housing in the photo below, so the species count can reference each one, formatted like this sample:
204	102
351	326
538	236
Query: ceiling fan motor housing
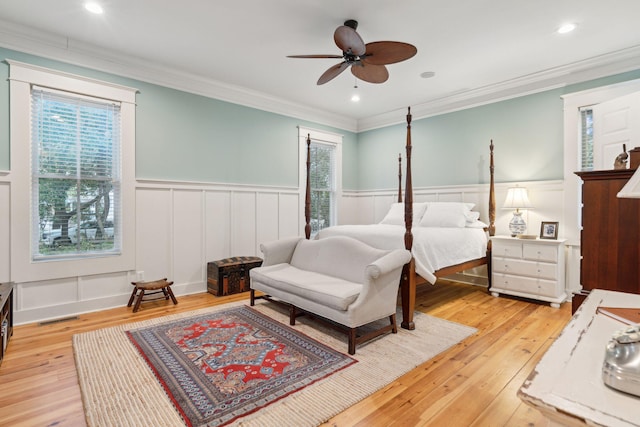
351	23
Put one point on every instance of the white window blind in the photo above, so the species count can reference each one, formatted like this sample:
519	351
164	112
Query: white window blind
586	138
323	185
75	175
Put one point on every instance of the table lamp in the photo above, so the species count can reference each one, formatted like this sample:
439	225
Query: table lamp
517	199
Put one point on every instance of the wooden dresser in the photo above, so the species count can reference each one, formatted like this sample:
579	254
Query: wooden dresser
610	237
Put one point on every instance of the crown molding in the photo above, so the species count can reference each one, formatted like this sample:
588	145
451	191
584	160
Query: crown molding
589	69
46	45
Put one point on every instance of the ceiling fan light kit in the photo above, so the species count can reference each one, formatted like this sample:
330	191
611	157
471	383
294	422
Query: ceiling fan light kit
367	61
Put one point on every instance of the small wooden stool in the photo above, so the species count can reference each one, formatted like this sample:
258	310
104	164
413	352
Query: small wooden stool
158	286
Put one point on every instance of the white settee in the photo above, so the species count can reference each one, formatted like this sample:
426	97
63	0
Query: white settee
337	278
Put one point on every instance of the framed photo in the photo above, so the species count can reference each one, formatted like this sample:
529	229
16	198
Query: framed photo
549	230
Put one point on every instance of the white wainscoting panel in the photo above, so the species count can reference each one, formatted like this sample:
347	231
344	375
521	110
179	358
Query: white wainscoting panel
105	285
243	224
154	233
217	214
187	230
33	295
288	216
267	223
348	209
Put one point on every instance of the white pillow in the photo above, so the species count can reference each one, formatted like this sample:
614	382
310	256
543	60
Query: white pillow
472	216
395	216
446	214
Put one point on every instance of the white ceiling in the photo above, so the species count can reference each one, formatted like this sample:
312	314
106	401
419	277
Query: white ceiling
236	49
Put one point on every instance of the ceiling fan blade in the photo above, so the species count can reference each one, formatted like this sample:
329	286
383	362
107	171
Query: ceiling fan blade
315	56
332	73
348	40
370	73
382	53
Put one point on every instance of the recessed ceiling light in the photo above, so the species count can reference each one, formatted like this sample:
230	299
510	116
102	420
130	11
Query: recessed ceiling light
94	8
427	74
566	28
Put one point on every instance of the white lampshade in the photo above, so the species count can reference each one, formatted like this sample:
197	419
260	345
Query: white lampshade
631	189
517	198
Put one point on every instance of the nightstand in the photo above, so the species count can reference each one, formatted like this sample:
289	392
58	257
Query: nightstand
530	268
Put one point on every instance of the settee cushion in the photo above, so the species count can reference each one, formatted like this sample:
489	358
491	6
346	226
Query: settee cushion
329	291
338	257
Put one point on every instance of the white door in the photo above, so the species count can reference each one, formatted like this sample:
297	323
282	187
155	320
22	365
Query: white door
615	123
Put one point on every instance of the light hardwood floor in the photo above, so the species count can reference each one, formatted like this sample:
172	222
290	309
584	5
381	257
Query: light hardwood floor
472	384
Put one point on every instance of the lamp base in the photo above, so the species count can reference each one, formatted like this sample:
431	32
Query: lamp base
517	224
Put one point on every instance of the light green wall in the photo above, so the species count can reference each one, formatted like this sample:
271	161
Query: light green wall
453	148
187	137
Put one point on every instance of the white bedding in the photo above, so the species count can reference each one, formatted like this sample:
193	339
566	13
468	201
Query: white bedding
433	247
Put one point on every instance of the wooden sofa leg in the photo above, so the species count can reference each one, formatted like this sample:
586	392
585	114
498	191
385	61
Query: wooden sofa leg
394	326
352	341
252	297
292	315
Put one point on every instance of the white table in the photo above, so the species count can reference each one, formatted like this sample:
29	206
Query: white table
567	385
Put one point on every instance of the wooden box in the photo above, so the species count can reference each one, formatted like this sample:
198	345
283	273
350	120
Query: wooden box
230	275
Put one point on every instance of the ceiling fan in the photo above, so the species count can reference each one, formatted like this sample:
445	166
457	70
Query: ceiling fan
368	61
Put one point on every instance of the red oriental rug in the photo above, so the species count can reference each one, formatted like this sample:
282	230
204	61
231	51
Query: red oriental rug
223	365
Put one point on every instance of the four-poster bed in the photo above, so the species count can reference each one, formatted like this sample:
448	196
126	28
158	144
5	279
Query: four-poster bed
426	236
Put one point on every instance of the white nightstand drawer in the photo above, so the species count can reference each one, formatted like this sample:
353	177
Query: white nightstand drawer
540	252
527	285
525	268
507	249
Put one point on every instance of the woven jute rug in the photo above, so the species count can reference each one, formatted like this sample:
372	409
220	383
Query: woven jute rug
119	388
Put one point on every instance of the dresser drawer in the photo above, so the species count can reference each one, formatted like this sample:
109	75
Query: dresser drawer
525	268
528	285
507	249
540	252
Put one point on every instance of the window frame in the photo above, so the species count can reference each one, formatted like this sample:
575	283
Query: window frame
74	103
584	140
22	77
327	138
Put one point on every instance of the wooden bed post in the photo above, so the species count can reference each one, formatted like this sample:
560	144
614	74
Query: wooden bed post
400	178
408	281
307	199
492	215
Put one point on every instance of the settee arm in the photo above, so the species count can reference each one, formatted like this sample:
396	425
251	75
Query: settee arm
388	263
279	251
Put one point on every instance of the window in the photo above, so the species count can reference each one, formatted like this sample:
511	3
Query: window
586	138
325	177
72	175
75	179
323	188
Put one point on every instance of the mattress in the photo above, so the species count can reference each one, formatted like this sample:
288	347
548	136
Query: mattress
433	247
